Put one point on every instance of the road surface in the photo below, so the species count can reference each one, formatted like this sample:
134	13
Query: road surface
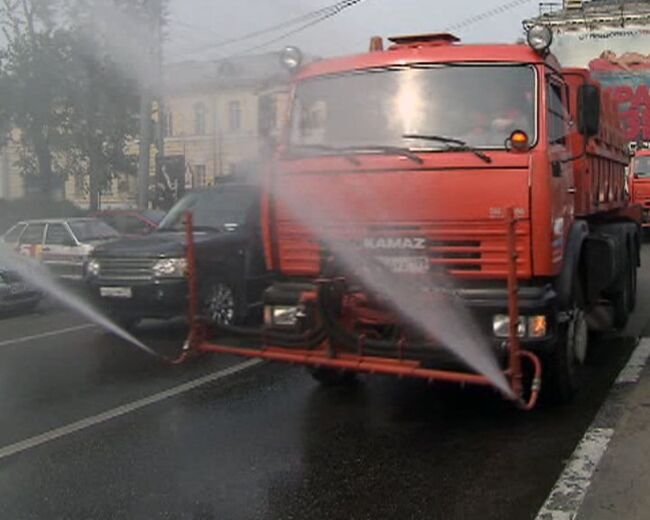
92	428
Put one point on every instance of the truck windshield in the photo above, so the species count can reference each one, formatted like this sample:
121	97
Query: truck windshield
216	210
642	167
479	105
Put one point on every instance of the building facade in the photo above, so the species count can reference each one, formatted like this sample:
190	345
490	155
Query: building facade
219	118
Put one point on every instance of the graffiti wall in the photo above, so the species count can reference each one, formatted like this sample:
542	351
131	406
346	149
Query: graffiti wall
620	59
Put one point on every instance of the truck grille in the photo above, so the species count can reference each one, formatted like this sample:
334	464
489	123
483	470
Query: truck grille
466	250
126	269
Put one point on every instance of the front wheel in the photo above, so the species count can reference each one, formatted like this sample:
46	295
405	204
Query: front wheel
562	367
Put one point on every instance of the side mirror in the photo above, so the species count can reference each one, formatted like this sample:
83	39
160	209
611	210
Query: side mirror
588	110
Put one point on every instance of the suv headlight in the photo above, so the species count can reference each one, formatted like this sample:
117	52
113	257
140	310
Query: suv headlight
170	268
93	267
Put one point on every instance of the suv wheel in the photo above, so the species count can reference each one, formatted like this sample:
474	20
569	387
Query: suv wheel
220	304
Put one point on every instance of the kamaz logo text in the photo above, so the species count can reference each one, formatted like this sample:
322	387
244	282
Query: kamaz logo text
395	243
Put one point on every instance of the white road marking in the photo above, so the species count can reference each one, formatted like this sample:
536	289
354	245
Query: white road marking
571	487
74	427
58	332
632	371
570	490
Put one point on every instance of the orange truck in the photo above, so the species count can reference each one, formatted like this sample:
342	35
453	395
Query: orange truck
485	174
640	182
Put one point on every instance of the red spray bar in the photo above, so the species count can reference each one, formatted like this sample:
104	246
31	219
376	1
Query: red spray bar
327	357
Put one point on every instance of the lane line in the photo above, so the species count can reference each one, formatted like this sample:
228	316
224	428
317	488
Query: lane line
57	433
570	490
632	371
571	487
58	332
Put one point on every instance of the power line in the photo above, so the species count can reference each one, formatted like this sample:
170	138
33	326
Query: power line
487	14
311	18
339	9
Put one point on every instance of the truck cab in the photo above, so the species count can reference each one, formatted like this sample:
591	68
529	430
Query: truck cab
407	161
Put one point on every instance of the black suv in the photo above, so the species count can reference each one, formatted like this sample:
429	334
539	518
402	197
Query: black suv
147	277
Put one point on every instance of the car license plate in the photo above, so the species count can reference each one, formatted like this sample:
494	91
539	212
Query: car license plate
406	264
115	292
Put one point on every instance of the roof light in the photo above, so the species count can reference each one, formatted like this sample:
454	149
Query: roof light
540	38
376	44
291	58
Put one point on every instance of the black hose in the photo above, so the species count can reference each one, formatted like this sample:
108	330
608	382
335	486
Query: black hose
350	339
310	340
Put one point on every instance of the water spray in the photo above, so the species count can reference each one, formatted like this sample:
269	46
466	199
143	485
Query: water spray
37	275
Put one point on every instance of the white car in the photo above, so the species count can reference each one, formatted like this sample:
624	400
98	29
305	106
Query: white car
63	245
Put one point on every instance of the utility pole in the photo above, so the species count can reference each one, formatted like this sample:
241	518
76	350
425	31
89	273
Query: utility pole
153	44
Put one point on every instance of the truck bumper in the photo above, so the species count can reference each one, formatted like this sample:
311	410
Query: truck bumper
482	303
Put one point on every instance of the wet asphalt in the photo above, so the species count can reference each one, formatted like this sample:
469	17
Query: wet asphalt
267	442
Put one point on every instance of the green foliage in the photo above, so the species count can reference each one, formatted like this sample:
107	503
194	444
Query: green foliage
67	85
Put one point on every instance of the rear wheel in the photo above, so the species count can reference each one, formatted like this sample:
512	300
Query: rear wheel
623	299
633	277
562	367
330	377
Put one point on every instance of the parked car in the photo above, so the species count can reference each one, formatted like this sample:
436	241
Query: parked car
15	294
146	277
132	223
63	245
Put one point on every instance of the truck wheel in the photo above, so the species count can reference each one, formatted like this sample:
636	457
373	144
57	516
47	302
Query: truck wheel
622	300
562	366
330	377
633	278
221	305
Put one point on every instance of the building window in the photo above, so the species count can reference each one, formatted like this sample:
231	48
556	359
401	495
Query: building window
234	116
169	124
268	115
199	118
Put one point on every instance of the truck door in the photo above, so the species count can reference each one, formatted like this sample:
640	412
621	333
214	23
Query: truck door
563	188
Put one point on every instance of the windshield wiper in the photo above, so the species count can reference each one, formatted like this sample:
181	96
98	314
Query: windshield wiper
349	152
390	150
329	149
455	145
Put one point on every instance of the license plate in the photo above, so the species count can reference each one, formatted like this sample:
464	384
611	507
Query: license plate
115	292
405	264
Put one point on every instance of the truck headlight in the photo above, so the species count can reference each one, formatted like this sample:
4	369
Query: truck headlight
283	315
93	267
170	268
501	326
527	326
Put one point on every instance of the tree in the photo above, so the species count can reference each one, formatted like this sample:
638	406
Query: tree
33	80
102	105
111	67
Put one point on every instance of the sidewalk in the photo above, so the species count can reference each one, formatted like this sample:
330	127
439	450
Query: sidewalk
620	488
